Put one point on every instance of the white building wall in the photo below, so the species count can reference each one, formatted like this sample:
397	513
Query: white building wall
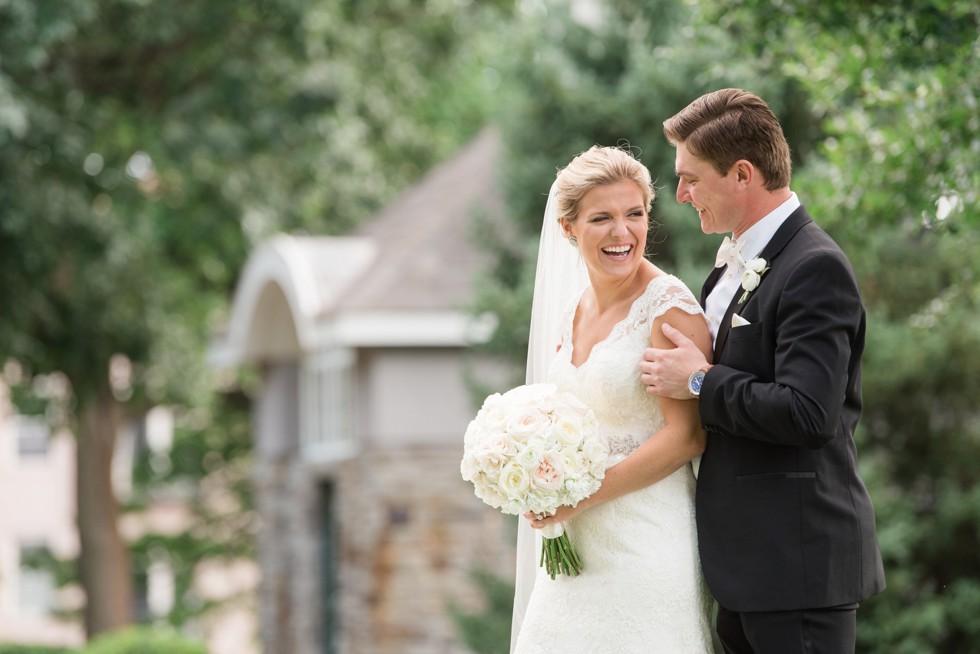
416	396
37	509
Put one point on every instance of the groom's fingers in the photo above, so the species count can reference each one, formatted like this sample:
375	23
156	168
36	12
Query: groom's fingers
649	363
657	359
676	336
649	367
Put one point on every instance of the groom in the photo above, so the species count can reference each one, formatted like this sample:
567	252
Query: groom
786	529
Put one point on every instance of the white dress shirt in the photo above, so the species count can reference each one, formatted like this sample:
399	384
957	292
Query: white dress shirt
752	243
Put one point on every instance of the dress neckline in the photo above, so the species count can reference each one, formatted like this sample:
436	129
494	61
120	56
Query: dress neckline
614	330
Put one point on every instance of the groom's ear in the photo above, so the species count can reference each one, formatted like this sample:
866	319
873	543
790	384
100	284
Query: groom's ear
745	172
742	171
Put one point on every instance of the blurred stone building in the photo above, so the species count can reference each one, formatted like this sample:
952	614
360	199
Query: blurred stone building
367	531
37	523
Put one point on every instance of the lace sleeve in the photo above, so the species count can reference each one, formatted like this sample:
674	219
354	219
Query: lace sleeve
670	293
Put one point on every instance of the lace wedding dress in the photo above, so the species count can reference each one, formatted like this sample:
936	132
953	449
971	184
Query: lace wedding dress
641	590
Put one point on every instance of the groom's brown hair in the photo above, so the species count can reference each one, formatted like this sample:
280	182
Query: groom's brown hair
731	124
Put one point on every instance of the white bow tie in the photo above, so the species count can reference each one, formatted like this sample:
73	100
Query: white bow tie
729	254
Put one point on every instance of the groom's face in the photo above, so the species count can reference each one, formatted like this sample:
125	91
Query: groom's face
711	194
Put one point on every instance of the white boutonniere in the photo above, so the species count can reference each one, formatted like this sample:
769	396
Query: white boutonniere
754	270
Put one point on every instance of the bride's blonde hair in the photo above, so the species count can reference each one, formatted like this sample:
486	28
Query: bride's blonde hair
597	166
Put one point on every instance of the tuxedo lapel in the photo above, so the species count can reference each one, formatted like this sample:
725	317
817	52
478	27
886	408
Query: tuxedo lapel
709	283
726	324
793	223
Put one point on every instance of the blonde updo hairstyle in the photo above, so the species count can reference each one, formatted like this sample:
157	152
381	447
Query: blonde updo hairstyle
598	166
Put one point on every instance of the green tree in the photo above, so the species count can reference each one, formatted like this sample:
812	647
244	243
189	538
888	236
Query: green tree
607	79
893	89
209	466
487	631
879	101
144	150
121	238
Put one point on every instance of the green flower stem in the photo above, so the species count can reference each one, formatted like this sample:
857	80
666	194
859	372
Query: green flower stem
559	557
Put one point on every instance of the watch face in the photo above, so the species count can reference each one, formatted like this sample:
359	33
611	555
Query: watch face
697	379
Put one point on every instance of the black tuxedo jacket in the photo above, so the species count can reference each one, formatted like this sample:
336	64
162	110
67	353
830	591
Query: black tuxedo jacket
784	519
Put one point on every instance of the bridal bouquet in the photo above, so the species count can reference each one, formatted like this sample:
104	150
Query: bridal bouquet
533	449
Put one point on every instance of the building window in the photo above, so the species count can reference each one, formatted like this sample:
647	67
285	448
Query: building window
35	584
33	436
155	586
326	406
147	437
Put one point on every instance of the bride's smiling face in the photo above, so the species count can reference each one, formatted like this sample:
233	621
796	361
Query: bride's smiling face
611	229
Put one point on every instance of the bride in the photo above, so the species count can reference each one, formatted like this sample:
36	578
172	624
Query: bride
641	588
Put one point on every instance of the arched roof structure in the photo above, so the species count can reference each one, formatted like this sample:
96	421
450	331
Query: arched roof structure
404	279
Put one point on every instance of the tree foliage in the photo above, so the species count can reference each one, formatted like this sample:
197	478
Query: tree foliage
145	148
608	79
879	102
487	631
895	179
122	236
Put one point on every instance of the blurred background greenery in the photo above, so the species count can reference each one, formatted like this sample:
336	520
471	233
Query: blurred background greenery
146	147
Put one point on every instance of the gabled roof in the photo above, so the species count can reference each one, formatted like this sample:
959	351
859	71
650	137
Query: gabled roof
404	279
426	258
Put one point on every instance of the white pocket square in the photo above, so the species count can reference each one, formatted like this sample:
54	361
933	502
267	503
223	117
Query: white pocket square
739	321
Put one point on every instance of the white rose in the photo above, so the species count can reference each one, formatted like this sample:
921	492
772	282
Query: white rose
494	400
514	480
750	279
595	450
492	419
549	473
489	462
597	469
527	422
468	468
531	453
756	265
501	444
568	432
574	461
489	493
531	395
472	432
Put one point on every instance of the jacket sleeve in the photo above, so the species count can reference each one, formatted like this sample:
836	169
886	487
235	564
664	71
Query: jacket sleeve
787	379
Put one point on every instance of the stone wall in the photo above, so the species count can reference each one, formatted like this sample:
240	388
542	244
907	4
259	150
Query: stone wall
410	532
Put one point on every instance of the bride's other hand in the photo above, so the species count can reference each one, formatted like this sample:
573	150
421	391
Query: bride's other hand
563	514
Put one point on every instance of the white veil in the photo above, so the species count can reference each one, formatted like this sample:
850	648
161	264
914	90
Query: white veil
559	278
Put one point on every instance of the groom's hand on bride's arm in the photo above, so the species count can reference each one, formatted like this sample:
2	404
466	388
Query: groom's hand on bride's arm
665	371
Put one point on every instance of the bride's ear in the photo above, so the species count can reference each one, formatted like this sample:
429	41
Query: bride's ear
566	227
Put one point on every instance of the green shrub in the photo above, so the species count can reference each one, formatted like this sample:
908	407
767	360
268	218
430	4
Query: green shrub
143	640
487	632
